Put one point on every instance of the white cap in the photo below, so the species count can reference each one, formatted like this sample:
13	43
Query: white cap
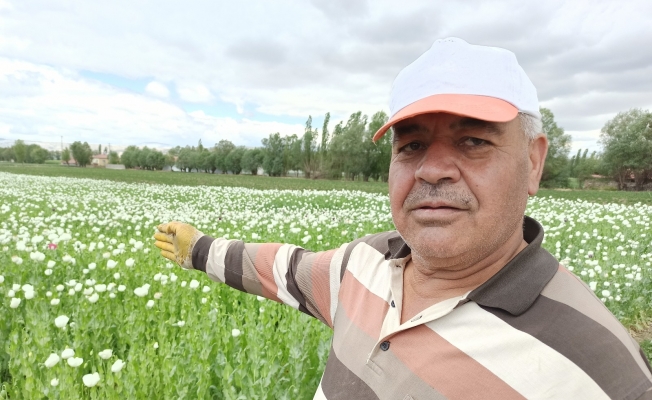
459	78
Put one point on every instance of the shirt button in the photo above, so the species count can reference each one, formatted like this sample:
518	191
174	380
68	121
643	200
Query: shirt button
392	304
384	346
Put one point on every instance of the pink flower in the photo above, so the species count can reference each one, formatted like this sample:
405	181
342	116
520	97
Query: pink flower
52	246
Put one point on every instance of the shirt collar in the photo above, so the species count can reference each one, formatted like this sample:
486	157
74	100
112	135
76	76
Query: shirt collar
518	284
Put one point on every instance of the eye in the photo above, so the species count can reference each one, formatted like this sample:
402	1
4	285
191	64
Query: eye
474	142
411	147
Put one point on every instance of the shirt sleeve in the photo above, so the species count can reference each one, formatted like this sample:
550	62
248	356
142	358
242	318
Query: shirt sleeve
307	281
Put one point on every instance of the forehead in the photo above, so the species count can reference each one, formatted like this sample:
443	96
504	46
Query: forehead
425	123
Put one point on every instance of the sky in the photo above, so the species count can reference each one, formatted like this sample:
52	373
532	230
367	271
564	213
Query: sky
166	73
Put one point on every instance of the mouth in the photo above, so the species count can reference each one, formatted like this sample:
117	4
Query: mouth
435	206
436	213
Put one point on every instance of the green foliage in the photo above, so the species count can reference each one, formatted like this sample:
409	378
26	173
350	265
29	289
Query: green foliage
555	171
222	150
581	167
82	153
234	160
309	149
65	155
114	158
144	158
273	155
38	155
20	151
7	154
252	159
627	142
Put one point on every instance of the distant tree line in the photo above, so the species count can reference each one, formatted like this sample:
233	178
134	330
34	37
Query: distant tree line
349	153
626	155
25	153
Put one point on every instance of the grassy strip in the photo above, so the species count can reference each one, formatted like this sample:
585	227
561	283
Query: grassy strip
193	179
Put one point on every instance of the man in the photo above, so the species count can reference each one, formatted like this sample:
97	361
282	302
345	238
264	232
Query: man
462	301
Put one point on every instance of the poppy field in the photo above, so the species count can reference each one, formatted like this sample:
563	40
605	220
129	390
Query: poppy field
89	309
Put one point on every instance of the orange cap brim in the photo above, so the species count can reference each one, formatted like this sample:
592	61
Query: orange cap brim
467	105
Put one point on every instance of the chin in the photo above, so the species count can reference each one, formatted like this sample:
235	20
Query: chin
433	243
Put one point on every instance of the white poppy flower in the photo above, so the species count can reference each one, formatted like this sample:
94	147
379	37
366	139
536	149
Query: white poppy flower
150	304
60	288
94	298
100	287
54	382
206	289
141	291
52	360
235	332
61	321
129	262
75	361
122	288
67	353
15	302
91	380
117	366
48	272
2	279
105	354
194	284
51	264
55	302
111	264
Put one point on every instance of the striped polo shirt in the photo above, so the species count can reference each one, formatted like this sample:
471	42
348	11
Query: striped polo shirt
533	330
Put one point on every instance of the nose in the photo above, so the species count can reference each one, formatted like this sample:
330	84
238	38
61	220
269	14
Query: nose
439	162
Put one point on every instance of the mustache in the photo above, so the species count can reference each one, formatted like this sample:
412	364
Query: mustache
440	191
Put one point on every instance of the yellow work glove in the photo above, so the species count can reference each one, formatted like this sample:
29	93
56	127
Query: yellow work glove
176	241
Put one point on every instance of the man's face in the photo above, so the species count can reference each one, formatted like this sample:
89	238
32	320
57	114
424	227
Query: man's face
458	186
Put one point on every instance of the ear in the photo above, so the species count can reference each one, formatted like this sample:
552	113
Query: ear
538	149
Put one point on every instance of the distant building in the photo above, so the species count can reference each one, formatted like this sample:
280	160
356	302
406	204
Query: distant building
100	160
71	163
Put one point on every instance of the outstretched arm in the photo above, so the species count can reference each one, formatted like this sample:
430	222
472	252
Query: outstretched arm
304	280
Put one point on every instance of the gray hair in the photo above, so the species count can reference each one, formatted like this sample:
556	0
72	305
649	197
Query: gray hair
531	125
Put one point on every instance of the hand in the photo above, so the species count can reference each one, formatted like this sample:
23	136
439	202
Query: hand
176	241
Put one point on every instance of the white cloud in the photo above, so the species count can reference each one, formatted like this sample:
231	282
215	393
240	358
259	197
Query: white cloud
41	103
157	89
194	93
